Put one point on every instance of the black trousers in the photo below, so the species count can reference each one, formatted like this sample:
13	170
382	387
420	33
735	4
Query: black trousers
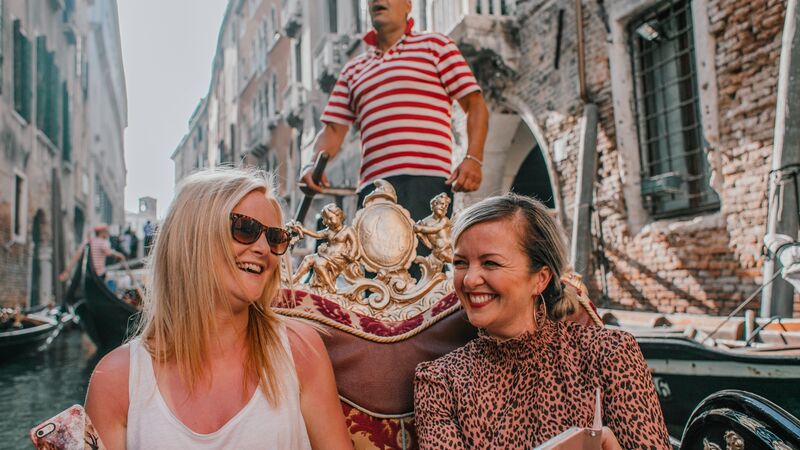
414	193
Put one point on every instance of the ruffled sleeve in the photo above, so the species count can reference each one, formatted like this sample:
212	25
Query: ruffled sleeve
630	403
437	427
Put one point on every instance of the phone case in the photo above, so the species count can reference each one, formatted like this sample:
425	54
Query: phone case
69	430
574	439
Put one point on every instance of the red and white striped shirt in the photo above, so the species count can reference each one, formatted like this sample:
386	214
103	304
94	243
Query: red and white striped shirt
401	100
100	248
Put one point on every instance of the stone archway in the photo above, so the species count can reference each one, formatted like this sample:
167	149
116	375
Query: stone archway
529	169
533	180
516	157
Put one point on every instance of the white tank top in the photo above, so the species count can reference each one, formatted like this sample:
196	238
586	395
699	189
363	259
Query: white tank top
152	425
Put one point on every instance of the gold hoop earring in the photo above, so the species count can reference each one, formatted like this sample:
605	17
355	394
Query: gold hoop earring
544	305
536	310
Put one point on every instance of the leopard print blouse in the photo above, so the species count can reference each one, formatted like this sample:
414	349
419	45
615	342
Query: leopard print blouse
519	393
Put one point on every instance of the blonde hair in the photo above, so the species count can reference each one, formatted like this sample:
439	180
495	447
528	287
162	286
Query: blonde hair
186	283
538	235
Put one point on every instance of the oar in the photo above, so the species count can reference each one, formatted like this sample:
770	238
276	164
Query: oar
316	175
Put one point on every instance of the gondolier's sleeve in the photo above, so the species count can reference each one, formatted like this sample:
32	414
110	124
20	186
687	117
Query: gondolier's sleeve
434	410
454	72
340	108
630	404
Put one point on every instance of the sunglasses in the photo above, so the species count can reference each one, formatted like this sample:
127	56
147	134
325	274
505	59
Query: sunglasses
246	230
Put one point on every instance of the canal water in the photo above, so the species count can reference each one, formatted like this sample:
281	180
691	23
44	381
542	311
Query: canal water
39	385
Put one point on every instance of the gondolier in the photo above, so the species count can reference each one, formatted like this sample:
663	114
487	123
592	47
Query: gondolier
400	93
100	248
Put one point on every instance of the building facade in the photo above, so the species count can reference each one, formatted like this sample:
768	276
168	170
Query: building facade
675	100
62	167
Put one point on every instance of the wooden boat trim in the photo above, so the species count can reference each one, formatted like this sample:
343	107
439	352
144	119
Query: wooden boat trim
722	369
32	330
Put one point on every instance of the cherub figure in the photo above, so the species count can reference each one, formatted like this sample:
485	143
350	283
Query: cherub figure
435	230
334	256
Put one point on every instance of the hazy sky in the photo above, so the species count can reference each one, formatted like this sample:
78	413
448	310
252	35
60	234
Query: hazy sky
167	49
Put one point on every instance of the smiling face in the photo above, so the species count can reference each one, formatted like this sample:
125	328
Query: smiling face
332	217
255	264
494	281
389	13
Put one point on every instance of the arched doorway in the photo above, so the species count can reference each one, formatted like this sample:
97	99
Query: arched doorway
532	178
526	170
35	294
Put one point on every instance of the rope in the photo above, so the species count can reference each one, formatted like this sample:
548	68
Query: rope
574	280
741	306
584	301
571	279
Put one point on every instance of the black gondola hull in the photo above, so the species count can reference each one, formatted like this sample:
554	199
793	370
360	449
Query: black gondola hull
686	372
14	343
735	419
106	319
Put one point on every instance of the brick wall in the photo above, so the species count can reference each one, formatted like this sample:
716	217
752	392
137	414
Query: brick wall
706	263
13	263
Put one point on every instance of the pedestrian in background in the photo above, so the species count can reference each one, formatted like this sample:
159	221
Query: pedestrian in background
125	242
134	246
149	234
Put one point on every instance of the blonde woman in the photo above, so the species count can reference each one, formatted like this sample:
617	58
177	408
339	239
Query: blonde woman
212	365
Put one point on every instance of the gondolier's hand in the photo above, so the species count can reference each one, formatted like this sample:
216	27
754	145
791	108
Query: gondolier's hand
467	176
63	276
305	177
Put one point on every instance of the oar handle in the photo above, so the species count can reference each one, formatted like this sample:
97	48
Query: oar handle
316	176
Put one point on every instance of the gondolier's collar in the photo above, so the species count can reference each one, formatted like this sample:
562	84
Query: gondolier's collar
371	39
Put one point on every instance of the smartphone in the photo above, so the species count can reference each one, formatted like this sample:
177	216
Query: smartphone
574	439
69	430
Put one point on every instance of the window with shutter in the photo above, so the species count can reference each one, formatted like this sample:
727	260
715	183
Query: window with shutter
41	79
66	136
675	172
2	41
51	102
22	71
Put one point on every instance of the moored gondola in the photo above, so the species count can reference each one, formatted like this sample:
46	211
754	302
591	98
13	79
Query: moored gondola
22	333
685	372
688	364
105	318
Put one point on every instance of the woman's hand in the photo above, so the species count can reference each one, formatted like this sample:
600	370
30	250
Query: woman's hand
608	441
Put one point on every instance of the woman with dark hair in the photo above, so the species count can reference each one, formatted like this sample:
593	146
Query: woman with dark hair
530	375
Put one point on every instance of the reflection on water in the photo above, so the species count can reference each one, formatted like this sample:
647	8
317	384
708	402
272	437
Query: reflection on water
37	386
